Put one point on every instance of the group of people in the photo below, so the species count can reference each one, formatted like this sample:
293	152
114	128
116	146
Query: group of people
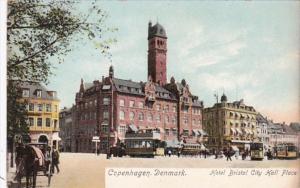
48	157
229	152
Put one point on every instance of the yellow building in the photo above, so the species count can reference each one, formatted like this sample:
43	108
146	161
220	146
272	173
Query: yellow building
230	124
43	112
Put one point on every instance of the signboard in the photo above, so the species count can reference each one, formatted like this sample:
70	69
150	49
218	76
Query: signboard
96	139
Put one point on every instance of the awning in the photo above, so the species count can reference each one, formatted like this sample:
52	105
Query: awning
242	115
133	128
173	143
239	131
250	131
202	132
237	115
202	147
196	132
246	131
235	148
55	136
233	130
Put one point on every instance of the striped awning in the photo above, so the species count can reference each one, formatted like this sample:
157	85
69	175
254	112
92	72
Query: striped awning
239	131
233	130
133	128
196	132
202	132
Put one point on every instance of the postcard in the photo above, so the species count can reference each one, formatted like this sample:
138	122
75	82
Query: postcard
147	94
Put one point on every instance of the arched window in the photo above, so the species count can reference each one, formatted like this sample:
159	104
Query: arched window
131	116
141	116
150	117
122	115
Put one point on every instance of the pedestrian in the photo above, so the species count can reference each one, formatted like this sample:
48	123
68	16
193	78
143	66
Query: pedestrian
178	153
216	154
98	150
228	155
169	152
47	159
55	160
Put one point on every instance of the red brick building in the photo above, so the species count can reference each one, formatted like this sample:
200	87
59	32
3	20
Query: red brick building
109	107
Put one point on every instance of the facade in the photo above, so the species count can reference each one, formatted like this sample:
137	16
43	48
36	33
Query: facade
296	127
262	130
67	129
43	112
110	106
230	124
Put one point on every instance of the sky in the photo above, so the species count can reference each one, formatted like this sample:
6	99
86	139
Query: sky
247	50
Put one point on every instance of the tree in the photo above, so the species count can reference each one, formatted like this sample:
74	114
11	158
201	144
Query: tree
39	32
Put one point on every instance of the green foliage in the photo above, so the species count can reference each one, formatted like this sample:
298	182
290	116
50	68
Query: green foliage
38	30
16	111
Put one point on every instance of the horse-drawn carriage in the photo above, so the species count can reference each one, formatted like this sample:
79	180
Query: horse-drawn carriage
32	160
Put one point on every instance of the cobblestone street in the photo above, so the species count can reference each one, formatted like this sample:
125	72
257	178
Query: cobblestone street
80	170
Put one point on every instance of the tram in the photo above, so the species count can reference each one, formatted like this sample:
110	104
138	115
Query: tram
190	149
143	144
286	151
257	151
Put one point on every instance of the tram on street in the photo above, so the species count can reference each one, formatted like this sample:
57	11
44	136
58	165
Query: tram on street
257	151
143	144
190	149
286	151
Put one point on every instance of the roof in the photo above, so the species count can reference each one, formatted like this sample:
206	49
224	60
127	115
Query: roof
136	88
288	130
261	119
156	31
35	86
295	126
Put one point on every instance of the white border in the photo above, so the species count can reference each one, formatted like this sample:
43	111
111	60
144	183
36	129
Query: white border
3	58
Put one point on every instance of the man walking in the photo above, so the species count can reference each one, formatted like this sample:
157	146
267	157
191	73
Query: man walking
55	160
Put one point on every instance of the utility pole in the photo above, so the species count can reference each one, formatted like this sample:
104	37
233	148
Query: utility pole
217	120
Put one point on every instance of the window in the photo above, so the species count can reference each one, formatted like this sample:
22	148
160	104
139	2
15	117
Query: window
86	105
167	108
150	117
48	107
141	116
106	101
95	102
167	132
194	122
167	119
131	116
91	103
174	108
31	107
105	114
25	93
48	122
39	122
185	120
40	107
104	128
174	120
39	93
174	132
122	115
141	105
31	121
122	102
158	107
186	132
158	118
122	129
131	103
55	108
55	123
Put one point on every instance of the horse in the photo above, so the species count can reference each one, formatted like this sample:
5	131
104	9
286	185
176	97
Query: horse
28	165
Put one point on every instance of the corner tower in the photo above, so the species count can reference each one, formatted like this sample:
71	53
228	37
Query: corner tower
157	53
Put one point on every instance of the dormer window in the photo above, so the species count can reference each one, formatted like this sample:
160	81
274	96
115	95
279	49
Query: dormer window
39	93
25	93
